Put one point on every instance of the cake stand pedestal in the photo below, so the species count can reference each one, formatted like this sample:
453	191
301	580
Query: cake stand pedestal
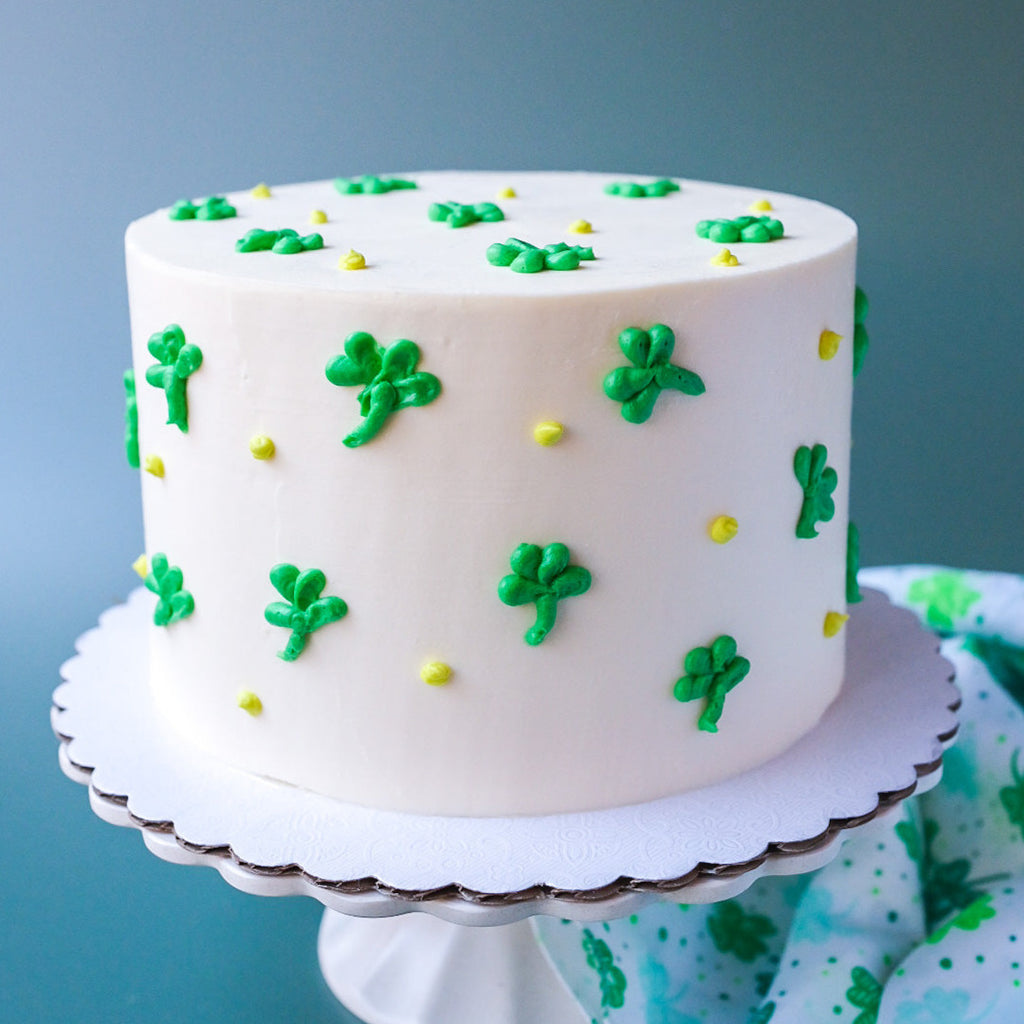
880	741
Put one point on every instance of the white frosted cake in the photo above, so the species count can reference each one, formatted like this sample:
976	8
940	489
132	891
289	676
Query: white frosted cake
494	494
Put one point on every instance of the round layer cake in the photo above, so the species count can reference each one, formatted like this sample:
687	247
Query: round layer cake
494	494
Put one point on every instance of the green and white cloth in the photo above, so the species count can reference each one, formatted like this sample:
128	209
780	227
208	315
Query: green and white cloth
918	920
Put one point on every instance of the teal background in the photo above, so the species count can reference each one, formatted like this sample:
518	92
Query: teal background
908	117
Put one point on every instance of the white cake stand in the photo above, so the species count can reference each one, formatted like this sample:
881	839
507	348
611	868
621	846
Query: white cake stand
880	741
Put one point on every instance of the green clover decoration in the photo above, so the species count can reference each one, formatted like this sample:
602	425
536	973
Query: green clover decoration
638	386
853	594
166	581
865	994
131	420
1012	797
212	208
285	242
818	481
860	333
735	931
544	577
638	190
611	978
740	229
460	215
711	672
303	609
388	377
178	361
369	184
947	598
526	258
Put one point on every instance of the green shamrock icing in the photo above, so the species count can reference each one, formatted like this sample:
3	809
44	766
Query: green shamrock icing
946	886
285	242
131	420
166	581
460	215
638	386
303	609
853	594
711	672
212	208
860	334
1012	797
178	361
369	184
543	577
969	919
740	229
388	377
611	978
525	258
735	931
946	597
865	994
638	190
818	481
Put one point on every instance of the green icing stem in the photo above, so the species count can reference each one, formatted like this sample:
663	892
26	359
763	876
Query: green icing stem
740	229
543	577
303	609
389	380
131	420
178	361
369	184
525	258
818	481
711	672
638	386
166	581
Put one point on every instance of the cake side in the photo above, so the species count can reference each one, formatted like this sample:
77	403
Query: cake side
415	529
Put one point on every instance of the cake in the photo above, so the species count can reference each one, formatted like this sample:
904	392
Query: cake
494	494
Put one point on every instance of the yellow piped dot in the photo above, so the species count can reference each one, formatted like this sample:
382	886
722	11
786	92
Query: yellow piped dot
318	217
141	566
153	464
723	529
548	433
581	227
436	673
261	446
352	260
760	206
261	191
828	344
506	193
248	701
724	259
834	622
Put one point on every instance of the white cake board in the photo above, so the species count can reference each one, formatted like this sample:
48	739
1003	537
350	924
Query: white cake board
880	741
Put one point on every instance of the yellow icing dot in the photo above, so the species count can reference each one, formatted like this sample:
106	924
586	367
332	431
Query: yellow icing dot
724	259
723	529
828	344
761	206
141	566
833	623
581	227
318	217
261	191
436	673
153	464
248	701
548	433
352	260
506	193
261	446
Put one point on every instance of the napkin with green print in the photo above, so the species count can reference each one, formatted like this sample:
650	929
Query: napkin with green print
918	920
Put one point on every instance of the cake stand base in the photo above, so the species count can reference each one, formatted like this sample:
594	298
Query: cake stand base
418	969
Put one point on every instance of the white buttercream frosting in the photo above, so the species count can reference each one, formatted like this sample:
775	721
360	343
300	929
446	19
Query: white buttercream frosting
414	529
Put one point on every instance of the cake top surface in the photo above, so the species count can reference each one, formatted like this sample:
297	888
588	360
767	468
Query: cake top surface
405	237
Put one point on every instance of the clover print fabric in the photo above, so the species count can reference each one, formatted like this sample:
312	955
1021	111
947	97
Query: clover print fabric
918	920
